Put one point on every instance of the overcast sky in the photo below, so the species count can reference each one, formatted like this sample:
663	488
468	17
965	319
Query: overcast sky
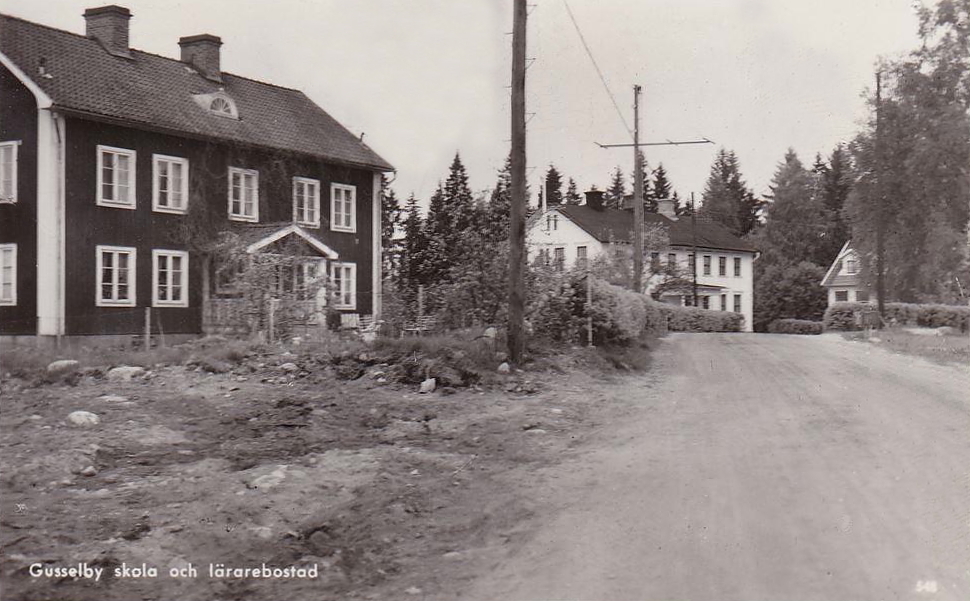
426	78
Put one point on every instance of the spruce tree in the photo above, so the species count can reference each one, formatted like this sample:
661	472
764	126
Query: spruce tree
726	197
661	185
391	219
572	196
553	186
617	190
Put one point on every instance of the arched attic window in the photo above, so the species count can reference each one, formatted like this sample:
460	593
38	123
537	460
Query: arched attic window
218	103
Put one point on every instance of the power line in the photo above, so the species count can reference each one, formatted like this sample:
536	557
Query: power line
599	72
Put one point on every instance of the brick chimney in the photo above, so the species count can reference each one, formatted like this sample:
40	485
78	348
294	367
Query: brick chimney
667	208
109	25
594	200
202	52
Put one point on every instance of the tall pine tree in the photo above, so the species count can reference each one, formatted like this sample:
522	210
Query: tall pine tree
572	196
553	186
726	197
617	190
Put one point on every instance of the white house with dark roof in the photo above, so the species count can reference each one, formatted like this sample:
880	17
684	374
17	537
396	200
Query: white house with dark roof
567	236
843	280
117	166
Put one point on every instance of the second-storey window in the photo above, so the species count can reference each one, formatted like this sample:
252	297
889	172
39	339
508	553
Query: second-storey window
243	194
116	276
8	171
345	285
170	184
8	274
116	177
707	264
306	201
737	267
170	278
581	257
722	266
343	202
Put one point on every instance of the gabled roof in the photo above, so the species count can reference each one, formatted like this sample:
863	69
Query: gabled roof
616	225
834	276
258	237
155	92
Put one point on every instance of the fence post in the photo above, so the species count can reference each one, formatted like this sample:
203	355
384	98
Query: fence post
271	326
148	328
589	307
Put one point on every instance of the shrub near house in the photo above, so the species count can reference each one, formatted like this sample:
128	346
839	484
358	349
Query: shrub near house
848	316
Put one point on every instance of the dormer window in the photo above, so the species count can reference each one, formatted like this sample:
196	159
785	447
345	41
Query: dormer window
218	103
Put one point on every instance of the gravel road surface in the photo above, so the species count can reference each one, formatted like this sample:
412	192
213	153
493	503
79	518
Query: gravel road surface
762	467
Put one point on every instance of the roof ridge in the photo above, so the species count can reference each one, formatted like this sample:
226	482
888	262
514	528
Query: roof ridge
147	52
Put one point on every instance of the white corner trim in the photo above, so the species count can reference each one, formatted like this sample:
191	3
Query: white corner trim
43	100
325	250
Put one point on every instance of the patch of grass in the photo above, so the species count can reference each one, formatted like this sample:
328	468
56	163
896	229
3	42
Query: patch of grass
943	349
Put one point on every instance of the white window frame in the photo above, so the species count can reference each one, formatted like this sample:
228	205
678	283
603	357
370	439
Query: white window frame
183	283
12	250
13	145
131	203
301	217
341	290
243	173
334	224
132	253
157	205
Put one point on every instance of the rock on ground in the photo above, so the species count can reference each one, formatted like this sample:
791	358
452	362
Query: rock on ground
83	418
428	386
124	373
63	367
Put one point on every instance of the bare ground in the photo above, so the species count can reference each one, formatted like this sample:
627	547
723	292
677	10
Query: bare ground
391	493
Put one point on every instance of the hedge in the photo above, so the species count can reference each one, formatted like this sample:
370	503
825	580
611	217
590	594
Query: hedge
847	316
795	326
693	319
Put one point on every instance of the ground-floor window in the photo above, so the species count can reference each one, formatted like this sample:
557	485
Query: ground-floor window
737	303
581	257
723	302
345	285
170	278
8	274
559	256
841	296
116	276
862	296
706	302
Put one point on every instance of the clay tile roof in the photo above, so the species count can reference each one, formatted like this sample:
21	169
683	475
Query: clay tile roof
156	92
617	225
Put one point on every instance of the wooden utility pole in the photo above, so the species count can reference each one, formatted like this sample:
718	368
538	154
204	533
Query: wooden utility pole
516	334
637	196
693	229
880	202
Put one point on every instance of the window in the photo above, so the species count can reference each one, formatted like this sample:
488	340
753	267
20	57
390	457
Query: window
851	266
688	300
671	261
116	276
737	267
306	201
655	262
221	105
862	296
243	194
691	262
8	275
722	266
170	184
116	177
552	222
737	303
8	171
723	302
841	296
217	103
343	203
559	256
581	257
345	285
707	264
706	302
170	278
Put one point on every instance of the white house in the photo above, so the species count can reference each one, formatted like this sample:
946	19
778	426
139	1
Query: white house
567	236
843	279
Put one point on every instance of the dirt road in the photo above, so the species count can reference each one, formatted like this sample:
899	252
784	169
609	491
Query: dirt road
762	467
